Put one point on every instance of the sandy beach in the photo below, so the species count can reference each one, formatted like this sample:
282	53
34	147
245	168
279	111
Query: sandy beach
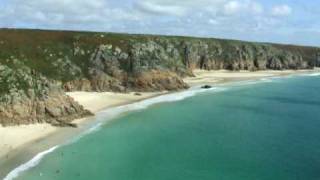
224	76
13	140
14	137
95	101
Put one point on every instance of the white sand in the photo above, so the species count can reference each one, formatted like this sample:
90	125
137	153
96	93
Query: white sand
222	76
14	137
95	101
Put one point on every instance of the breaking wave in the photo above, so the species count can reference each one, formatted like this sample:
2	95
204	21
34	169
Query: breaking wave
314	74
30	164
105	116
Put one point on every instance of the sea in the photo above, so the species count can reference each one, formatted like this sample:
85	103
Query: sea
267	129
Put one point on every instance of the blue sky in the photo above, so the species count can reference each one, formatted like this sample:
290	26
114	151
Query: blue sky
280	21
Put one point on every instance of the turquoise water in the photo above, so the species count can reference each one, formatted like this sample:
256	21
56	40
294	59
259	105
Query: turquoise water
263	131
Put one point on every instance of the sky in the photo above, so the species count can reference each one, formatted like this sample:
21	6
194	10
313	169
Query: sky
278	21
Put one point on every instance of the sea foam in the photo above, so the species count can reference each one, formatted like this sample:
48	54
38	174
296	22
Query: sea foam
104	116
172	97
314	74
32	163
107	115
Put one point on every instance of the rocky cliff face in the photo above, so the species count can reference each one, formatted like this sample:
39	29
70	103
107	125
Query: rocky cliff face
242	56
28	97
142	68
124	69
38	66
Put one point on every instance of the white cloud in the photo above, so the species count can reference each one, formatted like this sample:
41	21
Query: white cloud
220	18
232	7
281	10
237	7
256	7
63	13
184	7
162	9
213	22
177	7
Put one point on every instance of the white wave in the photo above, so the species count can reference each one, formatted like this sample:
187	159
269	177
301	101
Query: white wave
267	80
313	74
107	115
30	164
245	83
178	96
111	113
93	128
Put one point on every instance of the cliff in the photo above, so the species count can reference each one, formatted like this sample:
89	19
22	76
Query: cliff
29	97
36	67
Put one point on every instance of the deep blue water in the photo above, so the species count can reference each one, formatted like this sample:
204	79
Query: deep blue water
264	131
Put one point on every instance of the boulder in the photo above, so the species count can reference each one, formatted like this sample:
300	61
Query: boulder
206	87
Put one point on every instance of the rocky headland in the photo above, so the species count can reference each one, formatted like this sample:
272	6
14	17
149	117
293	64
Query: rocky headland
38	67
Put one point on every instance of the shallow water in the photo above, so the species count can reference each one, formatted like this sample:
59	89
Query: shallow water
247	131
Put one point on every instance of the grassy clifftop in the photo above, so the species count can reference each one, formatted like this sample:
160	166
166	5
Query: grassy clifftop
53	53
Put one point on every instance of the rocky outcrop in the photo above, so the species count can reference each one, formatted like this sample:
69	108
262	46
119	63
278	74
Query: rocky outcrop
317	63
28	97
156	80
141	69
242	56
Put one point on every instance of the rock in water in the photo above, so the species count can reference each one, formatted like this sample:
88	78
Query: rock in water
206	87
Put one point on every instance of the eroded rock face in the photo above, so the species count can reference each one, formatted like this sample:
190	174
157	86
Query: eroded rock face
146	67
317	63
237	56
156	80
142	65
42	102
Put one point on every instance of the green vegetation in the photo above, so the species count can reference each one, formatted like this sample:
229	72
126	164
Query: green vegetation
65	56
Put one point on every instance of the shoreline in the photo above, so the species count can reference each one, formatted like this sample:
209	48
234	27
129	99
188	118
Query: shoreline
40	137
97	102
220	77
